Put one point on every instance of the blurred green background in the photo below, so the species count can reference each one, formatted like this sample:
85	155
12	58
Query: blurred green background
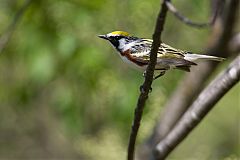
65	93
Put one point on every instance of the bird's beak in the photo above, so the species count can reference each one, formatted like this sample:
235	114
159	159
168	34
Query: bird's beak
103	37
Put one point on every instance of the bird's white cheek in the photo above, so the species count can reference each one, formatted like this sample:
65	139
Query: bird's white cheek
123	46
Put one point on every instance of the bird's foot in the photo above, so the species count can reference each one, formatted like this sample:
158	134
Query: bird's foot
142	90
160	74
144	74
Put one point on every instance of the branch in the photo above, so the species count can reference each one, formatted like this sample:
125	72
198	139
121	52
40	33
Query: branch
144	89
228	26
234	44
190	22
5	37
182	98
199	109
222	45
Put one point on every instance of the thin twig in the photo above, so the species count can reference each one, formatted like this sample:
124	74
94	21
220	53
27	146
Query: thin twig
199	109
144	89
5	37
188	21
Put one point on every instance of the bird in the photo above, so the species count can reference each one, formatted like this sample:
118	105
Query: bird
136	52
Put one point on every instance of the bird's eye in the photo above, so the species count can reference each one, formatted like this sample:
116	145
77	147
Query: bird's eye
115	40
112	37
117	37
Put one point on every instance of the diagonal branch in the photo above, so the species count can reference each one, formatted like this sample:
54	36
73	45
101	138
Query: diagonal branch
182	98
199	109
190	22
5	37
222	44
144	89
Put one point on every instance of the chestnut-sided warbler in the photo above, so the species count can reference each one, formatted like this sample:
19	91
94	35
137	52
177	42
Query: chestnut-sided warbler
136	51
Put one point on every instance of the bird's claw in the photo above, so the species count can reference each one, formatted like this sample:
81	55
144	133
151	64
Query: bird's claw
150	89
142	90
144	73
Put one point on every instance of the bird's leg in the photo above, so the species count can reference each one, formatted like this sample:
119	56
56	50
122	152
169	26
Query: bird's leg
160	74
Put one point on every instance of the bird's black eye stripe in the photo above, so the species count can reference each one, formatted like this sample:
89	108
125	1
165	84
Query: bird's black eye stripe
120	37
116	37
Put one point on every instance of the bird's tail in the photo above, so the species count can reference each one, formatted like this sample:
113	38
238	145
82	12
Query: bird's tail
198	57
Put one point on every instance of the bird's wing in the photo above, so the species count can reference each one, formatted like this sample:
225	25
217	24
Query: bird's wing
167	56
164	51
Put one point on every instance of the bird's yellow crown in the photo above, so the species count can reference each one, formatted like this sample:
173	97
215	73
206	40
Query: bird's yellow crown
121	33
